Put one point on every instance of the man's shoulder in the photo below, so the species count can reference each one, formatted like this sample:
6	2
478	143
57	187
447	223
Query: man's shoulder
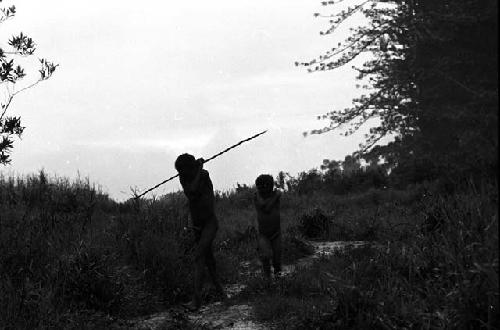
205	176
205	179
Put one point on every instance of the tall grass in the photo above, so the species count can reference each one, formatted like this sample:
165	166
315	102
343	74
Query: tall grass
46	230
70	257
69	254
442	273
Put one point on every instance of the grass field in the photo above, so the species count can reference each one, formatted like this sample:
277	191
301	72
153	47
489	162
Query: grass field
70	257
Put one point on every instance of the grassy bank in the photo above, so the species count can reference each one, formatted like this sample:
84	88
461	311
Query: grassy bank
70	257
437	271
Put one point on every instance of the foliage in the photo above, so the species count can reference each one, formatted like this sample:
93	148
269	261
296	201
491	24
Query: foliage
440	277
339	177
11	78
69	253
431	80
72	258
45	260
314	224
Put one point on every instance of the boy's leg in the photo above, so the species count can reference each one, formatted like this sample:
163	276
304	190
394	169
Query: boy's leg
276	246
265	253
266	267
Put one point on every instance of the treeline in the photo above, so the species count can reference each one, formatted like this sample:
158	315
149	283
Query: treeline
432	83
338	177
354	175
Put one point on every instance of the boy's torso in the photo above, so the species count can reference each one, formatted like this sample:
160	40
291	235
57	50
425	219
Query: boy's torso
269	222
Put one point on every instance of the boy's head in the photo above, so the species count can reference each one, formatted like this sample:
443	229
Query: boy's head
186	165
264	183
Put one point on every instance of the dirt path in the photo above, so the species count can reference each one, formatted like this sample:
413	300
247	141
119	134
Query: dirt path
233	316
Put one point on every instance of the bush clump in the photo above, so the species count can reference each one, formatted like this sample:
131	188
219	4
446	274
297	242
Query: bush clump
314	224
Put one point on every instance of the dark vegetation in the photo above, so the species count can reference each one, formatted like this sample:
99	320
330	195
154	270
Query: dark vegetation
70	257
429	197
14	79
431	80
434	265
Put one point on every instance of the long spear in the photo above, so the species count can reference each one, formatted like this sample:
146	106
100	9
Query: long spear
204	161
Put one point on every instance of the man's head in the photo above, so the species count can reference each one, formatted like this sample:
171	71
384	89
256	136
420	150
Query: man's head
186	165
264	183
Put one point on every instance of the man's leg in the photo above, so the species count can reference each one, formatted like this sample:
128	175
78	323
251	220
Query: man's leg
276	245
200	259
198	265
212	266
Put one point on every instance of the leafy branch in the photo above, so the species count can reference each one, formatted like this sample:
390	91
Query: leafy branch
10	76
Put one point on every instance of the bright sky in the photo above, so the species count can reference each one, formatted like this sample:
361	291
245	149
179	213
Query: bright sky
138	83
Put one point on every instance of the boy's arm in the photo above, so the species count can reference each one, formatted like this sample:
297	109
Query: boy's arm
265	205
271	201
253	220
258	201
253	224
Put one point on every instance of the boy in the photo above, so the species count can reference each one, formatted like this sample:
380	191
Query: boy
267	204
199	191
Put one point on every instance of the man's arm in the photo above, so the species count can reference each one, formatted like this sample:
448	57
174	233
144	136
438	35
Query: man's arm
192	188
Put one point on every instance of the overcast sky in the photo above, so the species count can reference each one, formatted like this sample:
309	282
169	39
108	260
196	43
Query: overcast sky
138	83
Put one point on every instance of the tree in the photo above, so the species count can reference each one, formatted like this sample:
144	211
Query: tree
432	81
11	77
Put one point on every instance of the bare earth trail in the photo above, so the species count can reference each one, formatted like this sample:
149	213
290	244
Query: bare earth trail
235	315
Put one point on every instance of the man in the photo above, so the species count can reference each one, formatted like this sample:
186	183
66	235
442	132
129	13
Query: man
199	191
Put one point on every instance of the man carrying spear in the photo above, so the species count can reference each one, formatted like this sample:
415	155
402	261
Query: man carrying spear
199	191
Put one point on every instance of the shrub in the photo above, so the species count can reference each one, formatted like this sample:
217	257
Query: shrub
88	280
314	224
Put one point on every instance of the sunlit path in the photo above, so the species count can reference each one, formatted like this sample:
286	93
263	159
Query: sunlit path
238	316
